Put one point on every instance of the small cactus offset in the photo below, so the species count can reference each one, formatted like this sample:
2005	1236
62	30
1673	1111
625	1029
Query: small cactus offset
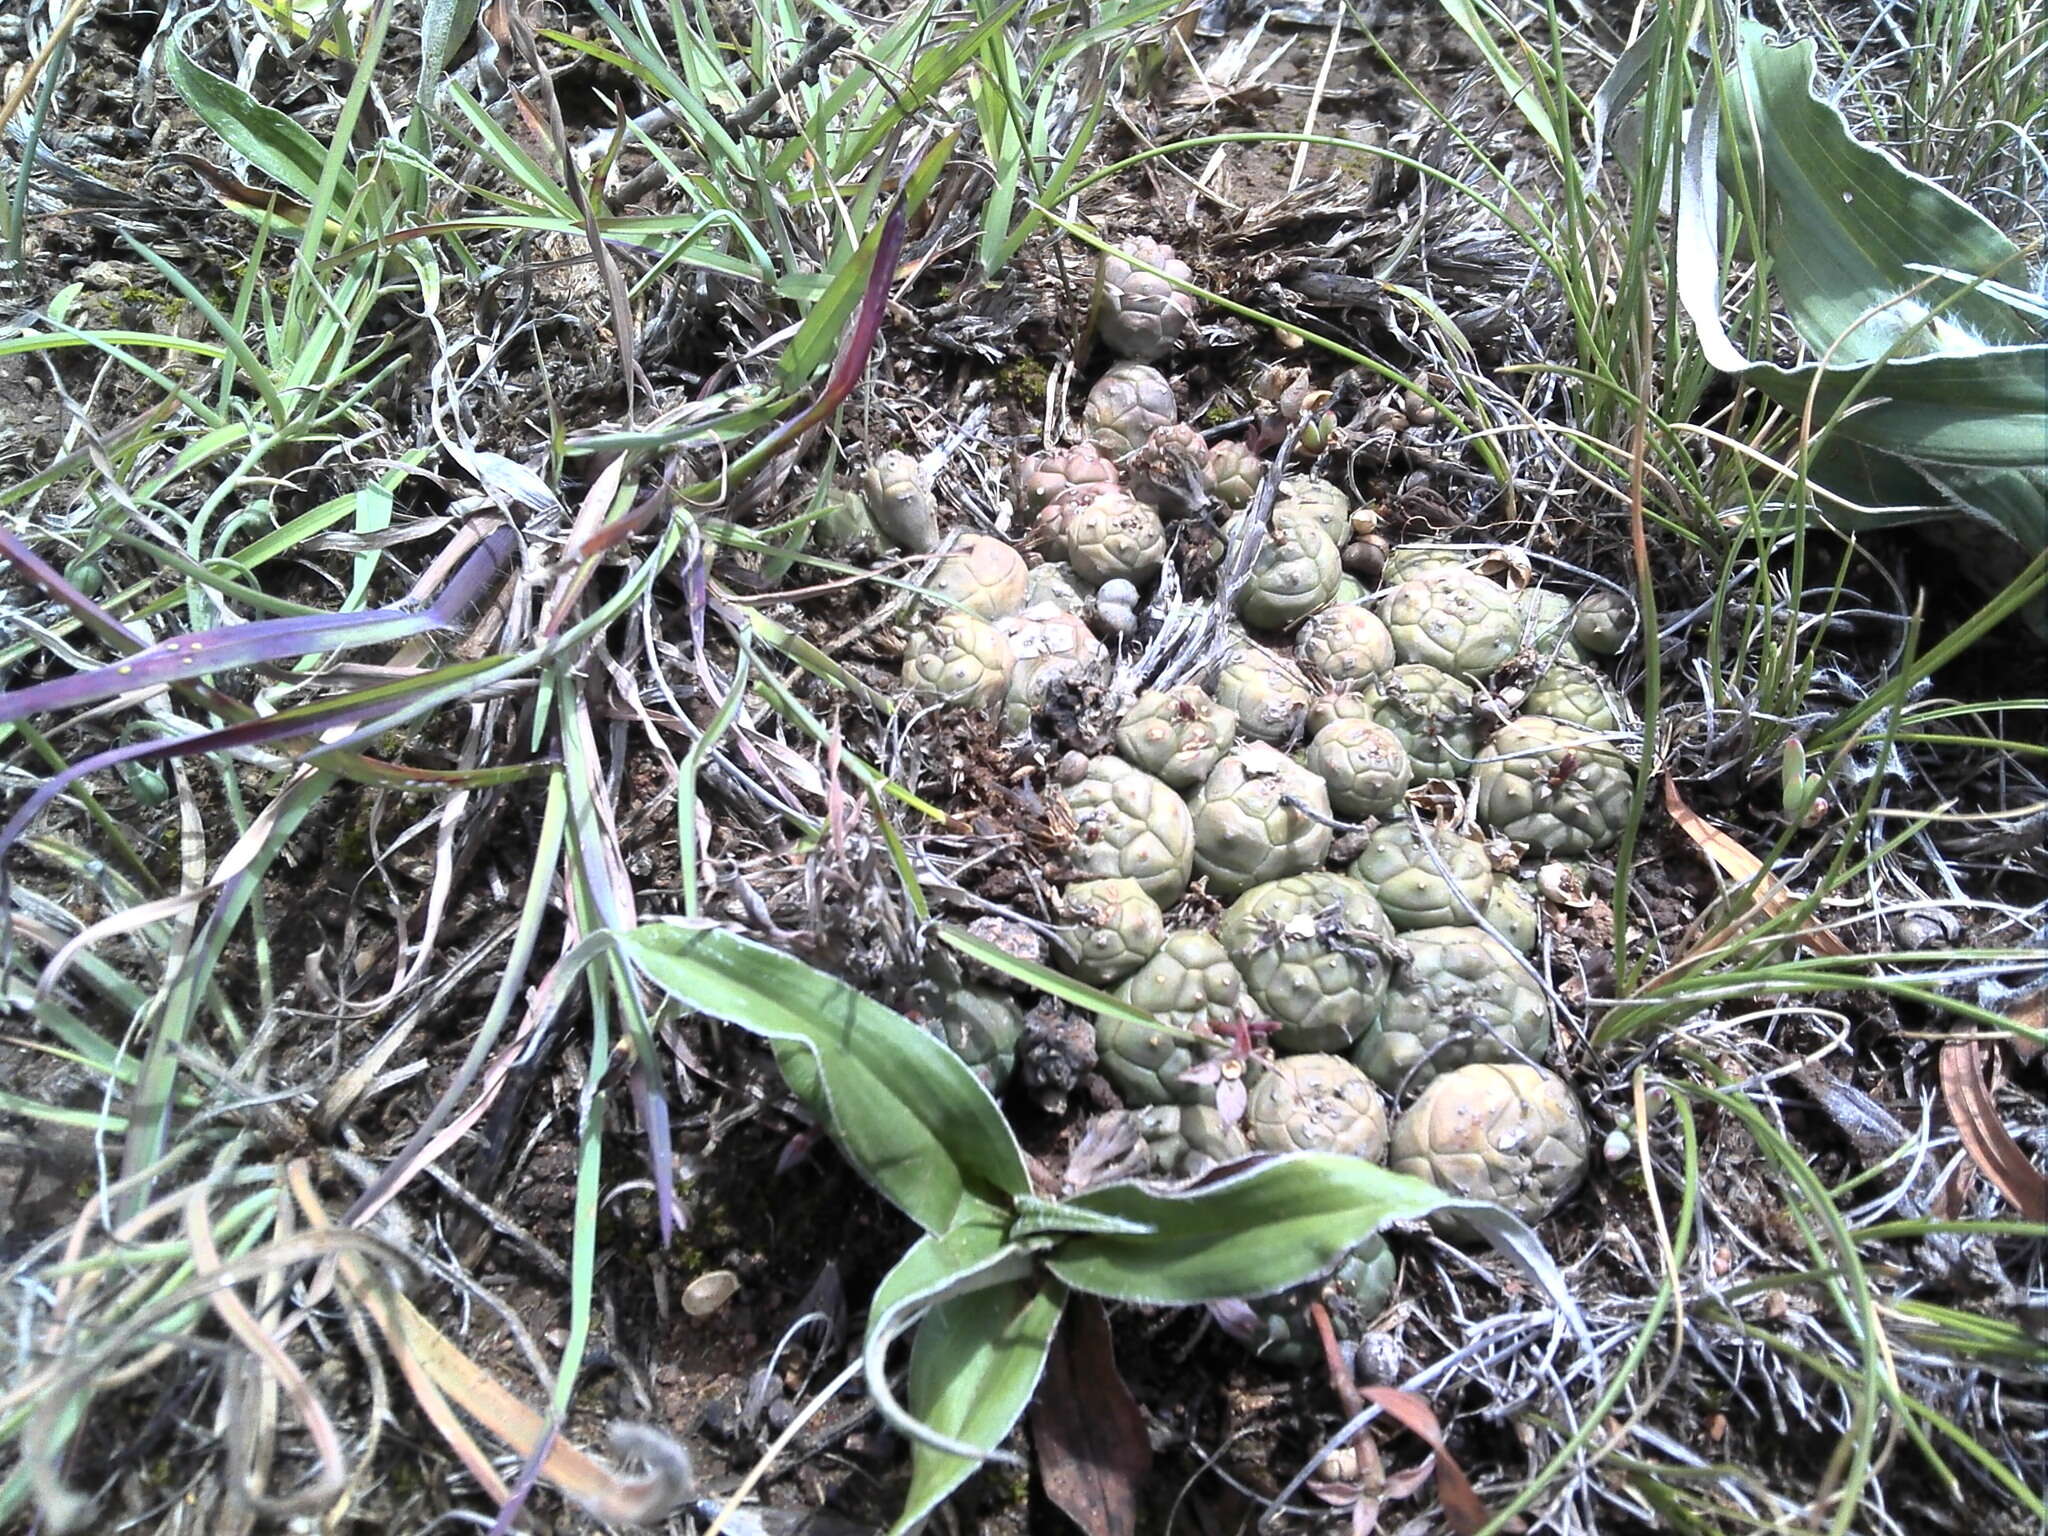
1126	406
1604	623
1170	471
1278	1329
1113	928
1185	1141
958	659
1424	879
1259	816
1556	786
1189	984
982	575
1128	825
1042	478
1576	695
1345	645
1049	646
1510	911
1317	1103
1326	504
1434	714
1143	314
1114	536
1455	621
1508	1133
1547	616
982	1025
1294	573
1365	765
1265	691
1315	951
1177	734
1460	996
1232	474
900	503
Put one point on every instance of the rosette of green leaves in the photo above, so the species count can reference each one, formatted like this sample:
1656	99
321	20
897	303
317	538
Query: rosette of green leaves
985	1287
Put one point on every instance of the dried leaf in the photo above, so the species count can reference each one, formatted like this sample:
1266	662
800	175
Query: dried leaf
1769	896
437	1371
1463	1507
2032	1013
1093	1453
1990	1146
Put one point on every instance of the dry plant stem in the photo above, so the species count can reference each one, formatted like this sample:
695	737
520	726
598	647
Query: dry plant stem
33	72
781	1443
1620	1435
1341	1380
437	1370
1646	609
241	1322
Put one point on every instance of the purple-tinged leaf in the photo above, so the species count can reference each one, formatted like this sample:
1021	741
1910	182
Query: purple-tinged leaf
307	719
860	343
179	657
214	650
44	575
653	1112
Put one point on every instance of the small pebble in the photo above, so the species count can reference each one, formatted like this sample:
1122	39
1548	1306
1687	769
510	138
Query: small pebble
708	1293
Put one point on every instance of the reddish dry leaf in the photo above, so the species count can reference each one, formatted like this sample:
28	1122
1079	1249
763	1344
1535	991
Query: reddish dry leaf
1991	1148
1093	1453
1463	1507
1769	895
2033	1013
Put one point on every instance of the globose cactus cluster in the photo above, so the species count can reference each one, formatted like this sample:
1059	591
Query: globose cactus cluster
1373	945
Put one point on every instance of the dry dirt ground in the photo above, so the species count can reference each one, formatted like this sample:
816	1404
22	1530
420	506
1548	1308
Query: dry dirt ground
1752	1398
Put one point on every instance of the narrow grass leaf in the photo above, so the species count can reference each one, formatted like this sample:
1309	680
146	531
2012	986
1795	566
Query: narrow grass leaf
1065	988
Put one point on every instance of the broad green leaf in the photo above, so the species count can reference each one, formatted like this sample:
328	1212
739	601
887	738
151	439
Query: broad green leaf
1983	408
937	1257
1041	1222
1846	224
1274	1224
905	1110
939	1268
1263	1226
264	136
1928	396
973	1369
